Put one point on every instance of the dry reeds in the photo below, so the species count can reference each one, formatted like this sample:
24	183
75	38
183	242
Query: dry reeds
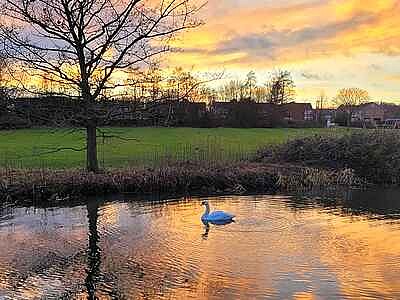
184	178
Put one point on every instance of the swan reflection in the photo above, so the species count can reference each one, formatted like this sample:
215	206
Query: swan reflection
216	223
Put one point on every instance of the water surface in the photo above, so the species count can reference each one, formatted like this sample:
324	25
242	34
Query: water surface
280	247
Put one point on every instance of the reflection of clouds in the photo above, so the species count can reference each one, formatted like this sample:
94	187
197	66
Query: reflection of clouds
277	248
373	265
43	251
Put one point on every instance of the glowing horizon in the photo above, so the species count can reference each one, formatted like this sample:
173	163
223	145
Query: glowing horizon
327	45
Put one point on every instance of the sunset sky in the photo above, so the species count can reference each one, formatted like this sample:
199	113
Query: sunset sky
326	44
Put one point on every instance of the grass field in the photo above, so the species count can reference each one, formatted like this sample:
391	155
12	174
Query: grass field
140	146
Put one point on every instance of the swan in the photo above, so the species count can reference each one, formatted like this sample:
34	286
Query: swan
216	216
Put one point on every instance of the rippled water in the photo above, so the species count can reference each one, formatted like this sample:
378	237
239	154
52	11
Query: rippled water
280	247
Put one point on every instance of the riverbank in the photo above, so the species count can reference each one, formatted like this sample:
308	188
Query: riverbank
321	161
180	179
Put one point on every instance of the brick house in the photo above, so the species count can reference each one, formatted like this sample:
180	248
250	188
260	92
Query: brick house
391	111
325	115
369	112
245	113
294	111
178	113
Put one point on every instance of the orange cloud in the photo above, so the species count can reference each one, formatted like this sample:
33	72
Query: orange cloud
295	34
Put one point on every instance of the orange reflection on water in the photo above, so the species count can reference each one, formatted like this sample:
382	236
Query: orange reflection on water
277	248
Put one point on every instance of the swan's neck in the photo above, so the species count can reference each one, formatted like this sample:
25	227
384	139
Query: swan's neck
207	211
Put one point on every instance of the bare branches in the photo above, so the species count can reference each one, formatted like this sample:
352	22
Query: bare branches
351	97
348	99
83	42
60	149
280	88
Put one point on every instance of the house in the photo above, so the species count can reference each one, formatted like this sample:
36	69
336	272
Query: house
391	111
244	113
222	110
365	114
178	113
265	109
325	115
269	115
368	112
294	111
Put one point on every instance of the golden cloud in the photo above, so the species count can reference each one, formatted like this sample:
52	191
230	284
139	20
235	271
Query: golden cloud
293	33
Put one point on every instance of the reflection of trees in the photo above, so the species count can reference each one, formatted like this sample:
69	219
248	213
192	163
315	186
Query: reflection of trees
109	277
376	203
94	255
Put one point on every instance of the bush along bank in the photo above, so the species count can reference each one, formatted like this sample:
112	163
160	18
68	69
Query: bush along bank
181	179
373	155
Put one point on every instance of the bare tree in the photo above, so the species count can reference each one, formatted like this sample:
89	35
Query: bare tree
349	98
322	100
183	82
280	87
233	90
260	94
5	91
80	44
251	82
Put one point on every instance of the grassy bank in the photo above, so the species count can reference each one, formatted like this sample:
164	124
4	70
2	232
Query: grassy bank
35	148
201	161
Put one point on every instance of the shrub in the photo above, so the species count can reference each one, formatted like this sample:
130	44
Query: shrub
372	154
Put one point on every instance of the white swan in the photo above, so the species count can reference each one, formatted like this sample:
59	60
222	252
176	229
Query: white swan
215	216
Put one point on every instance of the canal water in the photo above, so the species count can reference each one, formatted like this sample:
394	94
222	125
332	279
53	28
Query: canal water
344	246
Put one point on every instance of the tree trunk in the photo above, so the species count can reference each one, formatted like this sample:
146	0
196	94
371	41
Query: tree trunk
92	164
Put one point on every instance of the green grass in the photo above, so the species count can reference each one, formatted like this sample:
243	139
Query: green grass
141	146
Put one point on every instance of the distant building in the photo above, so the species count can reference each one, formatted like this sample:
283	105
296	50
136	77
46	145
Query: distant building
391	111
222	110
369	112
325	115
178	113
245	113
294	111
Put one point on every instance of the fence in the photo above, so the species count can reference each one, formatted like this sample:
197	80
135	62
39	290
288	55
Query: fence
113	152
211	150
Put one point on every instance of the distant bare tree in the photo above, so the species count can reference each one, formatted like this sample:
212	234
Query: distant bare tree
232	90
5	90
251	82
182	82
281	87
322	100
321	104
349	98
80	44
2	74
260	94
